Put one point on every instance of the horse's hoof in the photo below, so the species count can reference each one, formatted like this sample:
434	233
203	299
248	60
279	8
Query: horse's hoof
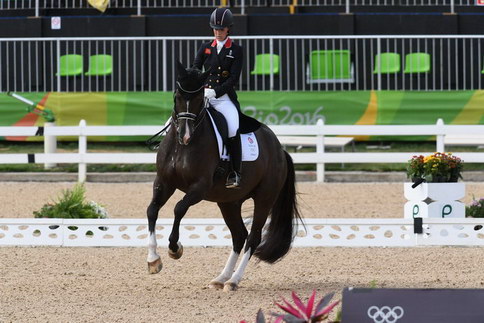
176	254
230	287
215	284
155	267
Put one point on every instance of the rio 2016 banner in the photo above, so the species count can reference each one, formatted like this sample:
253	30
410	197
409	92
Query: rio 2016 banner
297	108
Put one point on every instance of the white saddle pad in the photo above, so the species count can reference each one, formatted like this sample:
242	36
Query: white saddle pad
250	147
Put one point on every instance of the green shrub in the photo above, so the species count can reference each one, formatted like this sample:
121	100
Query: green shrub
72	205
476	208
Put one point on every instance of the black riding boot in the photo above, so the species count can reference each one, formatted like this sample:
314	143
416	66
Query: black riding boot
235	150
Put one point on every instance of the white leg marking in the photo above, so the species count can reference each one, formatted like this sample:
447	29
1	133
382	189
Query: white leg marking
228	269
237	276
152	255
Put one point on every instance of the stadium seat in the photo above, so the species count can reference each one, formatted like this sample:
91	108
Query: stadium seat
263	64
70	65
330	64
100	65
387	63
417	63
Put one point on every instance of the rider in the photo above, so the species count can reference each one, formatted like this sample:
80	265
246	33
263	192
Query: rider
224	58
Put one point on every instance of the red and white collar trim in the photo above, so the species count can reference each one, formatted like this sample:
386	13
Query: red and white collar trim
227	44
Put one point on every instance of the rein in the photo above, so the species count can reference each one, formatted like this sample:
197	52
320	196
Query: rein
153	142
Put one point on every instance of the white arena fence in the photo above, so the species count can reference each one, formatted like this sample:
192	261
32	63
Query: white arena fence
318	232
319	131
141	5
293	63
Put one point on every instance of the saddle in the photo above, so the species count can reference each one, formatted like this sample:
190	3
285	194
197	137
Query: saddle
250	147
220	124
246	124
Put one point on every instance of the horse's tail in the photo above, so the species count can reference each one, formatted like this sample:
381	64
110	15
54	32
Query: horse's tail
284	217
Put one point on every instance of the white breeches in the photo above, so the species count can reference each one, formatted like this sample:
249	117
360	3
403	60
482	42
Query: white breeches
228	109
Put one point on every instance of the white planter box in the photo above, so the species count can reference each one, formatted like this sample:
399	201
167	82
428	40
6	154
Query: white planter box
434	200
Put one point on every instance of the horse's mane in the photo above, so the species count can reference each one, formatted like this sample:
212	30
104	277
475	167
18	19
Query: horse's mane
191	80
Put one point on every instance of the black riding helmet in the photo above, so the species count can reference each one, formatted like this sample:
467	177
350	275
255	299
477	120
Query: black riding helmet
221	18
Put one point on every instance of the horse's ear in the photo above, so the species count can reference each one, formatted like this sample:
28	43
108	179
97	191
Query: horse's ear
180	69
205	74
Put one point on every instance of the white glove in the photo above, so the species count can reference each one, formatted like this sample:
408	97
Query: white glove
210	94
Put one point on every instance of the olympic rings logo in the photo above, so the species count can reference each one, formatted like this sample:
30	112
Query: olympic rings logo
386	314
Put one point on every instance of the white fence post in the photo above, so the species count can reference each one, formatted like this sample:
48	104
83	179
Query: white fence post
271	50
50	144
320	150
440	136
82	151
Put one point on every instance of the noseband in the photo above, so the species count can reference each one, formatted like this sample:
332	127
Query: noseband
188	115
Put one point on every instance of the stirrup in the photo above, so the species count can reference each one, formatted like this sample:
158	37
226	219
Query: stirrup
233	180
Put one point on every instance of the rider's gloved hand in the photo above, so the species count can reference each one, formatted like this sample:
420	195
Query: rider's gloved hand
210	94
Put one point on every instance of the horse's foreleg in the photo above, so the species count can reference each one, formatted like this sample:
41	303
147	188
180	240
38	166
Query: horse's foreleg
161	193
261	212
175	248
231	214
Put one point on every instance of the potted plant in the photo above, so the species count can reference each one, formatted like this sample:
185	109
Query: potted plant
434	191
435	168
476	208
72	205
311	312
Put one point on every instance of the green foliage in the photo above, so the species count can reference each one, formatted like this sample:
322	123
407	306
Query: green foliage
300	312
438	167
476	208
373	283
72	205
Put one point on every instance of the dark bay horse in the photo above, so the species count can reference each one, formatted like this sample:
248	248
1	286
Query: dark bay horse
188	160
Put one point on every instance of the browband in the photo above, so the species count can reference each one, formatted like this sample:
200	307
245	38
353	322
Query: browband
179	85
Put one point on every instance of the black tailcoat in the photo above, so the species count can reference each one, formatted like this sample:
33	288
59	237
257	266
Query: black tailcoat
225	69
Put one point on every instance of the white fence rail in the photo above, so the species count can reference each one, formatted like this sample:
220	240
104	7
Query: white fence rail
319	157
213	232
304	63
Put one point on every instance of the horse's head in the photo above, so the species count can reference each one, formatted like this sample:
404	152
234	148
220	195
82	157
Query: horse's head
189	101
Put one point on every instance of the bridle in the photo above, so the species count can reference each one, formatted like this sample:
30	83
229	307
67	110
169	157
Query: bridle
196	119
153	142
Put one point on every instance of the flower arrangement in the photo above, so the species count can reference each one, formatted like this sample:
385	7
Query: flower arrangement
300	312
475	209
72	205
438	167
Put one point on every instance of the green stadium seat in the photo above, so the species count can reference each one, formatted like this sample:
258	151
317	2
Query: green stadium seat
417	63
330	64
100	65
263	64
387	63
70	65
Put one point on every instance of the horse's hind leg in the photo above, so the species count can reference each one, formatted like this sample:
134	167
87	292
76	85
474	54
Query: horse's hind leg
232	216
261	212
161	194
175	248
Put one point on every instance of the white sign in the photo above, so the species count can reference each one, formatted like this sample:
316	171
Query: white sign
55	23
434	200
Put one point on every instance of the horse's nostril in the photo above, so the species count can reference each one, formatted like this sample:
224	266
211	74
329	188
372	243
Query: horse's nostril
186	139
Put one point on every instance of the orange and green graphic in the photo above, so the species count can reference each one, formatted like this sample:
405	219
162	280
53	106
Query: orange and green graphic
336	107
